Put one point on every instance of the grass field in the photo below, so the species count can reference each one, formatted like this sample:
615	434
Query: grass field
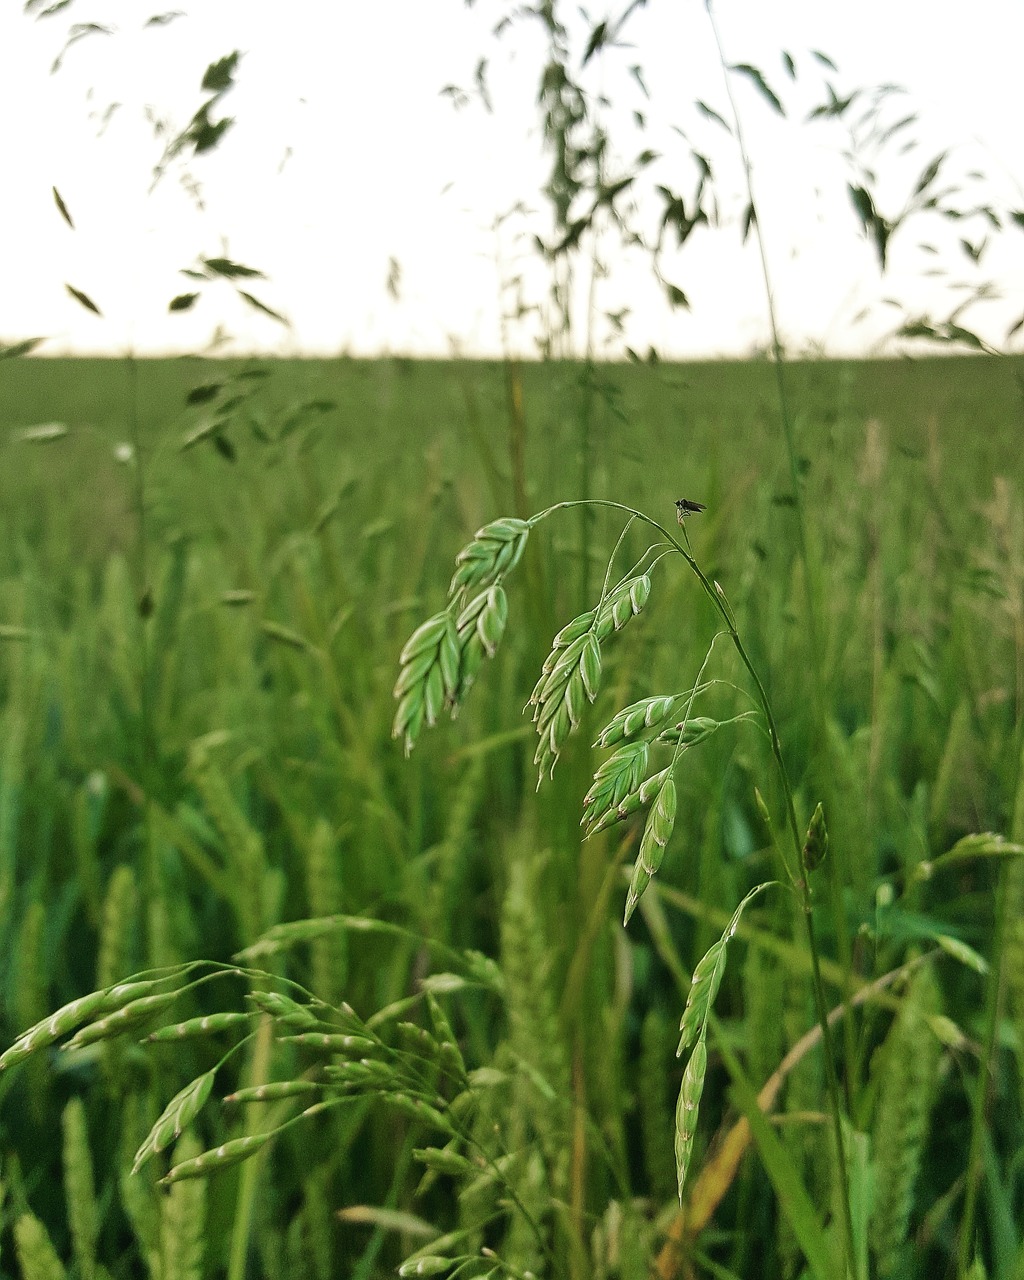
196	666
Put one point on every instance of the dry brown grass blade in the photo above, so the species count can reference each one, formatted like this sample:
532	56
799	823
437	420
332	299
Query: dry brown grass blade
727	1150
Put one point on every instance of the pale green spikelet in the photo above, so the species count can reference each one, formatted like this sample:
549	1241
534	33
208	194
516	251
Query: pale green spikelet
495	551
183	1221
655	1102
117	953
432	668
243	846
36	1255
909	1061
328	954
80	1188
570	677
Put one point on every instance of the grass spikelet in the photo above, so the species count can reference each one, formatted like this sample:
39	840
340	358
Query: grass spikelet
693	1027
648	713
428	677
183	1222
496	549
657	833
73	1015
124	1019
619	775
176	1116
910	1061
200	1028
36	1255
635	800
570	676
621	604
687	1108
274	1091
80	1188
222	1157
328	955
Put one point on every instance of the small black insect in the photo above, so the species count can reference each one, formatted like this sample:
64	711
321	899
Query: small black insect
684	508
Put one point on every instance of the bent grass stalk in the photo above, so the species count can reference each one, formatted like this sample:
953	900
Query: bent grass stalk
431	678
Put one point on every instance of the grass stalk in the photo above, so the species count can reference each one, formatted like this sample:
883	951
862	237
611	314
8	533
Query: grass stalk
798	881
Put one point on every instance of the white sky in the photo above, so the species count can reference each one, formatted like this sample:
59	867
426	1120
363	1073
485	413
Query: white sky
345	155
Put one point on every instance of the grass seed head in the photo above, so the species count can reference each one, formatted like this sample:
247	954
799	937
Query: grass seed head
494	551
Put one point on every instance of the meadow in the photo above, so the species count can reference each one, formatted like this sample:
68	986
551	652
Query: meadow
205	586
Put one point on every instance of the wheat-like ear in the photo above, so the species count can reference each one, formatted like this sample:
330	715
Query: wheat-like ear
183	1221
36	1255
243	844
496	549
910	1061
80	1188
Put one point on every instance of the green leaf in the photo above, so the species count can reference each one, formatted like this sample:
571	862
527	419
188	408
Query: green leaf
760	84
183	302
219	75
262	306
62	208
18	349
231	270
84	299
794	1202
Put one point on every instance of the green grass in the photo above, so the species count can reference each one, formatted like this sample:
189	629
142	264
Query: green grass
170	788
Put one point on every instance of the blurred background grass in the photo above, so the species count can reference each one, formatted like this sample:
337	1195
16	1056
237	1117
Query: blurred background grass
171	785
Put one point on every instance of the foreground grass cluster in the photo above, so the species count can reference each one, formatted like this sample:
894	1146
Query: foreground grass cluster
413	974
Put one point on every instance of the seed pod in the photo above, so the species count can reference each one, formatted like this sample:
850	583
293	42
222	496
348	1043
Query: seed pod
197	1028
816	845
335	1043
274	1091
431	1264
443	1161
283	1007
221	1157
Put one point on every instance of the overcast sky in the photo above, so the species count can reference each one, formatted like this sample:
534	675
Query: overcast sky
345	156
